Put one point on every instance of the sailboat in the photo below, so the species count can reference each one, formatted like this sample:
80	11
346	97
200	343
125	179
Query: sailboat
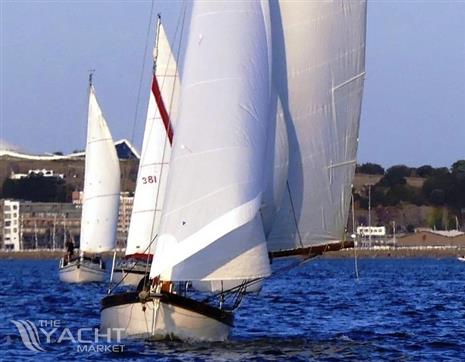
262	162
100	202
153	167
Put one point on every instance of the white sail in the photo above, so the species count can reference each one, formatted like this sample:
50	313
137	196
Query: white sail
211	228
318	69
156	151
276	168
101	184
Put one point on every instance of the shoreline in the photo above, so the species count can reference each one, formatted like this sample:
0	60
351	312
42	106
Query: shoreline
45	255
395	253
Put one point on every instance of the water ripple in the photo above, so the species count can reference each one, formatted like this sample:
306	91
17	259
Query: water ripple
399	310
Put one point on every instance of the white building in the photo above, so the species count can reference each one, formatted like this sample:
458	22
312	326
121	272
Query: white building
124	214
10	225
371	230
38	172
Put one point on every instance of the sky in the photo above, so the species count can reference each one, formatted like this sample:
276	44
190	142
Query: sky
414	100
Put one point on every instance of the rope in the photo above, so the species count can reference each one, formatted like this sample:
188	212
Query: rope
294	215
353	232
136	113
110	289
239	290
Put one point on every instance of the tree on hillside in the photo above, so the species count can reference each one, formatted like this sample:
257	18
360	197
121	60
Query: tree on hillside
441	171
458	169
425	171
437	188
395	175
398	193
38	189
370	169
456	197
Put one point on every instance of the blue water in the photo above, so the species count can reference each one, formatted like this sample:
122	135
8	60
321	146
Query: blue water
399	310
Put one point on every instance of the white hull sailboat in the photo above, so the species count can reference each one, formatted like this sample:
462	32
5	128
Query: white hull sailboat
100	204
131	270
82	270
238	234
262	163
128	277
164	316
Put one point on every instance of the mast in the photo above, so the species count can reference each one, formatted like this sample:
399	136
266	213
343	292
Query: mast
35	235
155	49
369	215
54	232
64	230
91	74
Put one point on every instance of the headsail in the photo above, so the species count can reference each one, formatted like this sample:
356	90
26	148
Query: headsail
320	83
156	149
211	228
101	184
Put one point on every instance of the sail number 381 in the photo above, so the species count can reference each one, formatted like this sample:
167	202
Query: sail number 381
149	179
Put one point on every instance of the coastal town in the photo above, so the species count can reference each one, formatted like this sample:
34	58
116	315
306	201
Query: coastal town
217	180
399	208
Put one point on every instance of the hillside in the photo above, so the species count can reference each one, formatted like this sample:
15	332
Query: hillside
412	197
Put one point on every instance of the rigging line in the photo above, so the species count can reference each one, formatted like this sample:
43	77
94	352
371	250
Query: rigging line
241	288
256	280
293	214
154	66
175	52
353	232
110	289
136	113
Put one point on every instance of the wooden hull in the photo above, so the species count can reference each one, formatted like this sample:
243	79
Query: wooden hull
81	271
164	316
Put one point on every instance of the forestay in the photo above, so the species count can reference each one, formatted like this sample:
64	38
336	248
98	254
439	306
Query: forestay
156	150
318	70
101	184
211	228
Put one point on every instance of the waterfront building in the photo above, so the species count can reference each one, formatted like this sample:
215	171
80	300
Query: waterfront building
124	215
9	225
429	238
26	225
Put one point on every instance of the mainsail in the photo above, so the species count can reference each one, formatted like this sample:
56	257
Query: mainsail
318	70
156	150
101	184
211	228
